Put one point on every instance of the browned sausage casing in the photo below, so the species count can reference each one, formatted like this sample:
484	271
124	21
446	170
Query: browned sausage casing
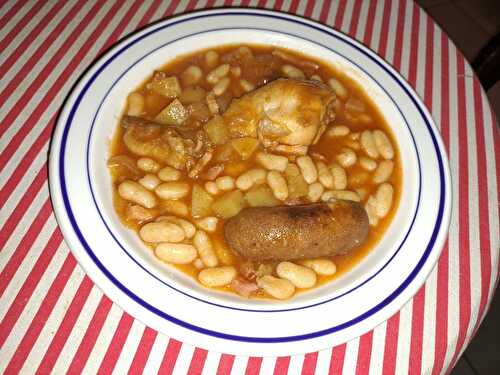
297	232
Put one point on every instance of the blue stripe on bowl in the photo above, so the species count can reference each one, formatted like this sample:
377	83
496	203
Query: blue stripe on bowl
202	330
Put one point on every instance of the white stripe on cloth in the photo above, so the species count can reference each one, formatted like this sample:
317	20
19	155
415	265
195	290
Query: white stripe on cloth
156	355
129	348
351	356
183	360
404	338
12	22
378	349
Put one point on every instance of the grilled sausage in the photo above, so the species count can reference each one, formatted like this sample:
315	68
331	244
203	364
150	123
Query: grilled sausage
297	232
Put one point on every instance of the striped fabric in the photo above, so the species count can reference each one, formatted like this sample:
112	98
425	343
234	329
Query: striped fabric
54	319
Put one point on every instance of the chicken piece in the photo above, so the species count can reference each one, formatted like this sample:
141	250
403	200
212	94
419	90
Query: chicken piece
290	112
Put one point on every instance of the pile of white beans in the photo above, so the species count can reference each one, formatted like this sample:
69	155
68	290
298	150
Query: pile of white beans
181	239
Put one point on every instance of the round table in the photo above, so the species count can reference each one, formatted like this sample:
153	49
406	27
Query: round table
53	318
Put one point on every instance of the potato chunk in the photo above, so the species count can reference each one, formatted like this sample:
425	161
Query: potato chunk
163	85
261	196
245	147
201	202
228	205
172	114
217	130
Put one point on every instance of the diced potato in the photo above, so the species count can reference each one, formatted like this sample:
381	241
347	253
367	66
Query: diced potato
297	186
261	196
223	252
217	130
174	207
226	153
192	95
166	86
198	111
245	147
229	204
235	169
201	202
172	114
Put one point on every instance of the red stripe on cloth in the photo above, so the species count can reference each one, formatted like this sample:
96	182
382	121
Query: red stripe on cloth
24	246
30	15
337	359
191	4
441	335
281	365
364	353
197	361
417	332
309	365
35	59
11	13
142	352
309	8
391	345
225	364
115	347
463	212
26	161
41	316
20	208
57	85
384	30
87	344
28	40
398	44
339	16
171	8
370	20
356	13
262	4
412	74
170	357
325	9
244	3
29	285
210	4
253	366
278	4
65	327
484	220
294	6
146	18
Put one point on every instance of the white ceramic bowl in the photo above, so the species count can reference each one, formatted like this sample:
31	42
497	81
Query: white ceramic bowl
173	303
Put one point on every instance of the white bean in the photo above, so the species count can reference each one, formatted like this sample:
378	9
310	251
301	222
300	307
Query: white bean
177	253
340	194
339	177
217	276
315	191
338	88
236	71
301	277
383	171
149	181
215	75
352	144
337	131
172	190
383	196
135	192
135	104
325	175
169	174
205	249
251	177
347	157
162	231
211	187
323	267
211	58
307	168
367	163
316	77
278	185
355	136
276	287
371	210
383	144
212	103
198	263
291	71
272	162
191	75
221	86
224	183
246	85
368	144
147	165
208	223
189	229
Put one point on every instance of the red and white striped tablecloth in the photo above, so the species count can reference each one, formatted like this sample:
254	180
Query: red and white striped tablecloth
53	318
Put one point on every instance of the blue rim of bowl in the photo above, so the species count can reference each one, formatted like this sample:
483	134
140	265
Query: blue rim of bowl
161	314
